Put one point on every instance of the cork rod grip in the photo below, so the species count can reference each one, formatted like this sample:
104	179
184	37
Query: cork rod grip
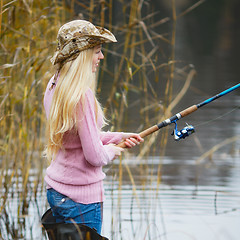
189	110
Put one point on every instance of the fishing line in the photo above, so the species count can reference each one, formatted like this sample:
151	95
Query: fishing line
221	116
188	129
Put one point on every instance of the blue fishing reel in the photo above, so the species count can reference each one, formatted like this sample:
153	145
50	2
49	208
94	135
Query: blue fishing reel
185	132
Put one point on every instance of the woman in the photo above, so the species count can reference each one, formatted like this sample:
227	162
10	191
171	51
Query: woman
77	148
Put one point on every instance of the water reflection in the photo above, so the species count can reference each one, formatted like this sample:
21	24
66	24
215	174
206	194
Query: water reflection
192	201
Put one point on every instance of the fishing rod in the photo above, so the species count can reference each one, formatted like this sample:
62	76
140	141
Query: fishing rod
189	129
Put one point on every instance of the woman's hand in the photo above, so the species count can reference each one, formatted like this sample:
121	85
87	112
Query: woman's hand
132	139
117	150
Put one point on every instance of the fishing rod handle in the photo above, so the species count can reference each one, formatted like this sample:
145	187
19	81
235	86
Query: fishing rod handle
189	110
148	131
155	128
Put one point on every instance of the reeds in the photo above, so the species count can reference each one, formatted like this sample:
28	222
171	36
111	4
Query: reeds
26	38
142	75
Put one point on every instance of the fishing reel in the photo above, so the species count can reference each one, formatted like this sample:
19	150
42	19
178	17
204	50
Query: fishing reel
185	132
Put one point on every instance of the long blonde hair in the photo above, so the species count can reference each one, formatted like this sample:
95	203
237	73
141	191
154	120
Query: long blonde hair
75	78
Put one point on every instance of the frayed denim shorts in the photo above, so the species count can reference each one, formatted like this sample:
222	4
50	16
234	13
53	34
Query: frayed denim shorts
66	210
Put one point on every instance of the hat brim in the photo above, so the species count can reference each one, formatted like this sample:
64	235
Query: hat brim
80	42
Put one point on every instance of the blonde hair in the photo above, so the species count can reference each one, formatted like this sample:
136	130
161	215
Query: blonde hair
75	78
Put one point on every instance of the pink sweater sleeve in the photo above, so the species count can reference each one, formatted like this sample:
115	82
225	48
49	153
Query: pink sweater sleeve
89	133
111	137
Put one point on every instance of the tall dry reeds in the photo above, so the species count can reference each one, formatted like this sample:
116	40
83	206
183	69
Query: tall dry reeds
138	74
27	38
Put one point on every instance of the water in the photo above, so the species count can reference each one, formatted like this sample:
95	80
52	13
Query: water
175	212
192	201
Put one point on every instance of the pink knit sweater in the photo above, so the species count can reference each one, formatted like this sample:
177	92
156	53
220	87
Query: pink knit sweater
77	170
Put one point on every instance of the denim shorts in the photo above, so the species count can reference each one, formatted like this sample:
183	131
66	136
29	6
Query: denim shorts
66	210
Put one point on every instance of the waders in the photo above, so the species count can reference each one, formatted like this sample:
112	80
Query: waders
67	231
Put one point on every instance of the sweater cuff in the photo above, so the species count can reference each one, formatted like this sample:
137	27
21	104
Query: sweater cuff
111	137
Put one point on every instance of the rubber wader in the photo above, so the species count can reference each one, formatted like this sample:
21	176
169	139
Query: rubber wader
68	231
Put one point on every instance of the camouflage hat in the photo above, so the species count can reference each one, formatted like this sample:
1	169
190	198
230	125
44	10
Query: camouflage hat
76	36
